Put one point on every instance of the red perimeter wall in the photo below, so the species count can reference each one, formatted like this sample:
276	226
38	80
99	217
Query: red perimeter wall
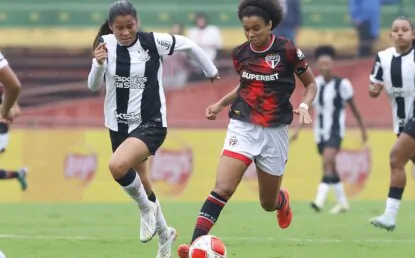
186	106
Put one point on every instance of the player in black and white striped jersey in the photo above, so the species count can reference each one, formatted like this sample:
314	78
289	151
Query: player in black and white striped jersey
135	105
8	111
394	71
334	94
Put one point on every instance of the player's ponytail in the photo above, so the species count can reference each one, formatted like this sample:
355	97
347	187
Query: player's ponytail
103	30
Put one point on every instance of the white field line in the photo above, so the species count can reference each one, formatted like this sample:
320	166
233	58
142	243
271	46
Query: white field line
251	239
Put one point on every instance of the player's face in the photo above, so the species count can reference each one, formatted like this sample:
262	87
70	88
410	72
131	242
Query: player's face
257	32
125	29
324	65
402	33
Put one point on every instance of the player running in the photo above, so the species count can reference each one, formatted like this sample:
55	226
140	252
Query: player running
394	71
135	106
334	93
259	116
9	110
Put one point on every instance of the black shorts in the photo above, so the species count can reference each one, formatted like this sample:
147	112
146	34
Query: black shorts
152	136
335	141
409	128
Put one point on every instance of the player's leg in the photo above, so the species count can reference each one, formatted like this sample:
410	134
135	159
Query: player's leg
128	152
270	169
4	136
401	153
166	234
20	175
239	149
324	186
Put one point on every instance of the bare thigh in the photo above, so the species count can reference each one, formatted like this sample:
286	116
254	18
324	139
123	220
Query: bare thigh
128	155
229	175
329	161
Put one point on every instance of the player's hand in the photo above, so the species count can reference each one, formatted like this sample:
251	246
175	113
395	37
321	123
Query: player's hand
214	78
213	110
304	115
100	53
375	89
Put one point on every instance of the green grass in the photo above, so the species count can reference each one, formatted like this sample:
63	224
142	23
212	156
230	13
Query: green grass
111	230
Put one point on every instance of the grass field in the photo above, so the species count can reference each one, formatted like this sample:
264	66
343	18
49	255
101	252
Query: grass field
111	230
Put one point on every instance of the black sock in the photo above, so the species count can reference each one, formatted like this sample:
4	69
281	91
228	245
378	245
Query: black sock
395	193
128	178
8	174
281	200
152	197
208	215
327	179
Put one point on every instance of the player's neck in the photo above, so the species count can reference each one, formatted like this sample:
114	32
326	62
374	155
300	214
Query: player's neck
405	50
328	78
265	46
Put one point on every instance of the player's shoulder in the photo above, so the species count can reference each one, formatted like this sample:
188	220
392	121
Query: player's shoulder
240	49
319	79
109	40
388	52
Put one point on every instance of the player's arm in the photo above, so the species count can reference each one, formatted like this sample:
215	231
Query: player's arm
376	78
99	66
347	93
11	85
229	98
16	111
168	44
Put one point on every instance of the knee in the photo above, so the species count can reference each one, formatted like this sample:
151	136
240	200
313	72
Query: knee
224	190
269	204
117	168
329	165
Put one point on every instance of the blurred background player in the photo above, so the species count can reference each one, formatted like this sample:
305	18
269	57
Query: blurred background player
334	93
259	116
135	105
9	110
393	71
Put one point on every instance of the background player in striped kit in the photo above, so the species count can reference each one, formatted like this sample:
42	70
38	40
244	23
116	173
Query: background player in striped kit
9	109
135	108
330	125
394	71
259	116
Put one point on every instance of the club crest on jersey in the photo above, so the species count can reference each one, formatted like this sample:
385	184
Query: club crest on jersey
143	55
272	60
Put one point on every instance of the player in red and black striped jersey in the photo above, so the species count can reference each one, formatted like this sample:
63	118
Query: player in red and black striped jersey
267	81
259	116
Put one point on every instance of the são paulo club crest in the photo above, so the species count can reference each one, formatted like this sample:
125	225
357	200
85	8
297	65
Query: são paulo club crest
272	60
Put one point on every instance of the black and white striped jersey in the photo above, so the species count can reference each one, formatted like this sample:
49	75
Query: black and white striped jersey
397	73
329	105
133	77
3	61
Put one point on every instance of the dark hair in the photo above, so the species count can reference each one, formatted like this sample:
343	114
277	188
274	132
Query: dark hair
268	10
116	9
325	50
404	18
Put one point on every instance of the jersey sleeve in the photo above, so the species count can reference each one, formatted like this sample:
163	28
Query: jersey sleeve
346	90
296	58
3	61
376	75
165	43
235	61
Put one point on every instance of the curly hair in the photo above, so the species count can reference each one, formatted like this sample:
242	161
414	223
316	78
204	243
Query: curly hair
269	10
325	50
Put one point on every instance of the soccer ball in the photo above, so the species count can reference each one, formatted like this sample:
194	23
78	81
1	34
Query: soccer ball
207	247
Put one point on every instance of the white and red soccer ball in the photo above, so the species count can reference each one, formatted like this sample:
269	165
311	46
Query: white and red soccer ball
207	247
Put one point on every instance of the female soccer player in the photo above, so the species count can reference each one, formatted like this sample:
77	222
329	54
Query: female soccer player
8	111
393	71
330	124
135	105
259	116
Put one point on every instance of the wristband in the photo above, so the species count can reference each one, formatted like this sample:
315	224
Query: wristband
303	105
